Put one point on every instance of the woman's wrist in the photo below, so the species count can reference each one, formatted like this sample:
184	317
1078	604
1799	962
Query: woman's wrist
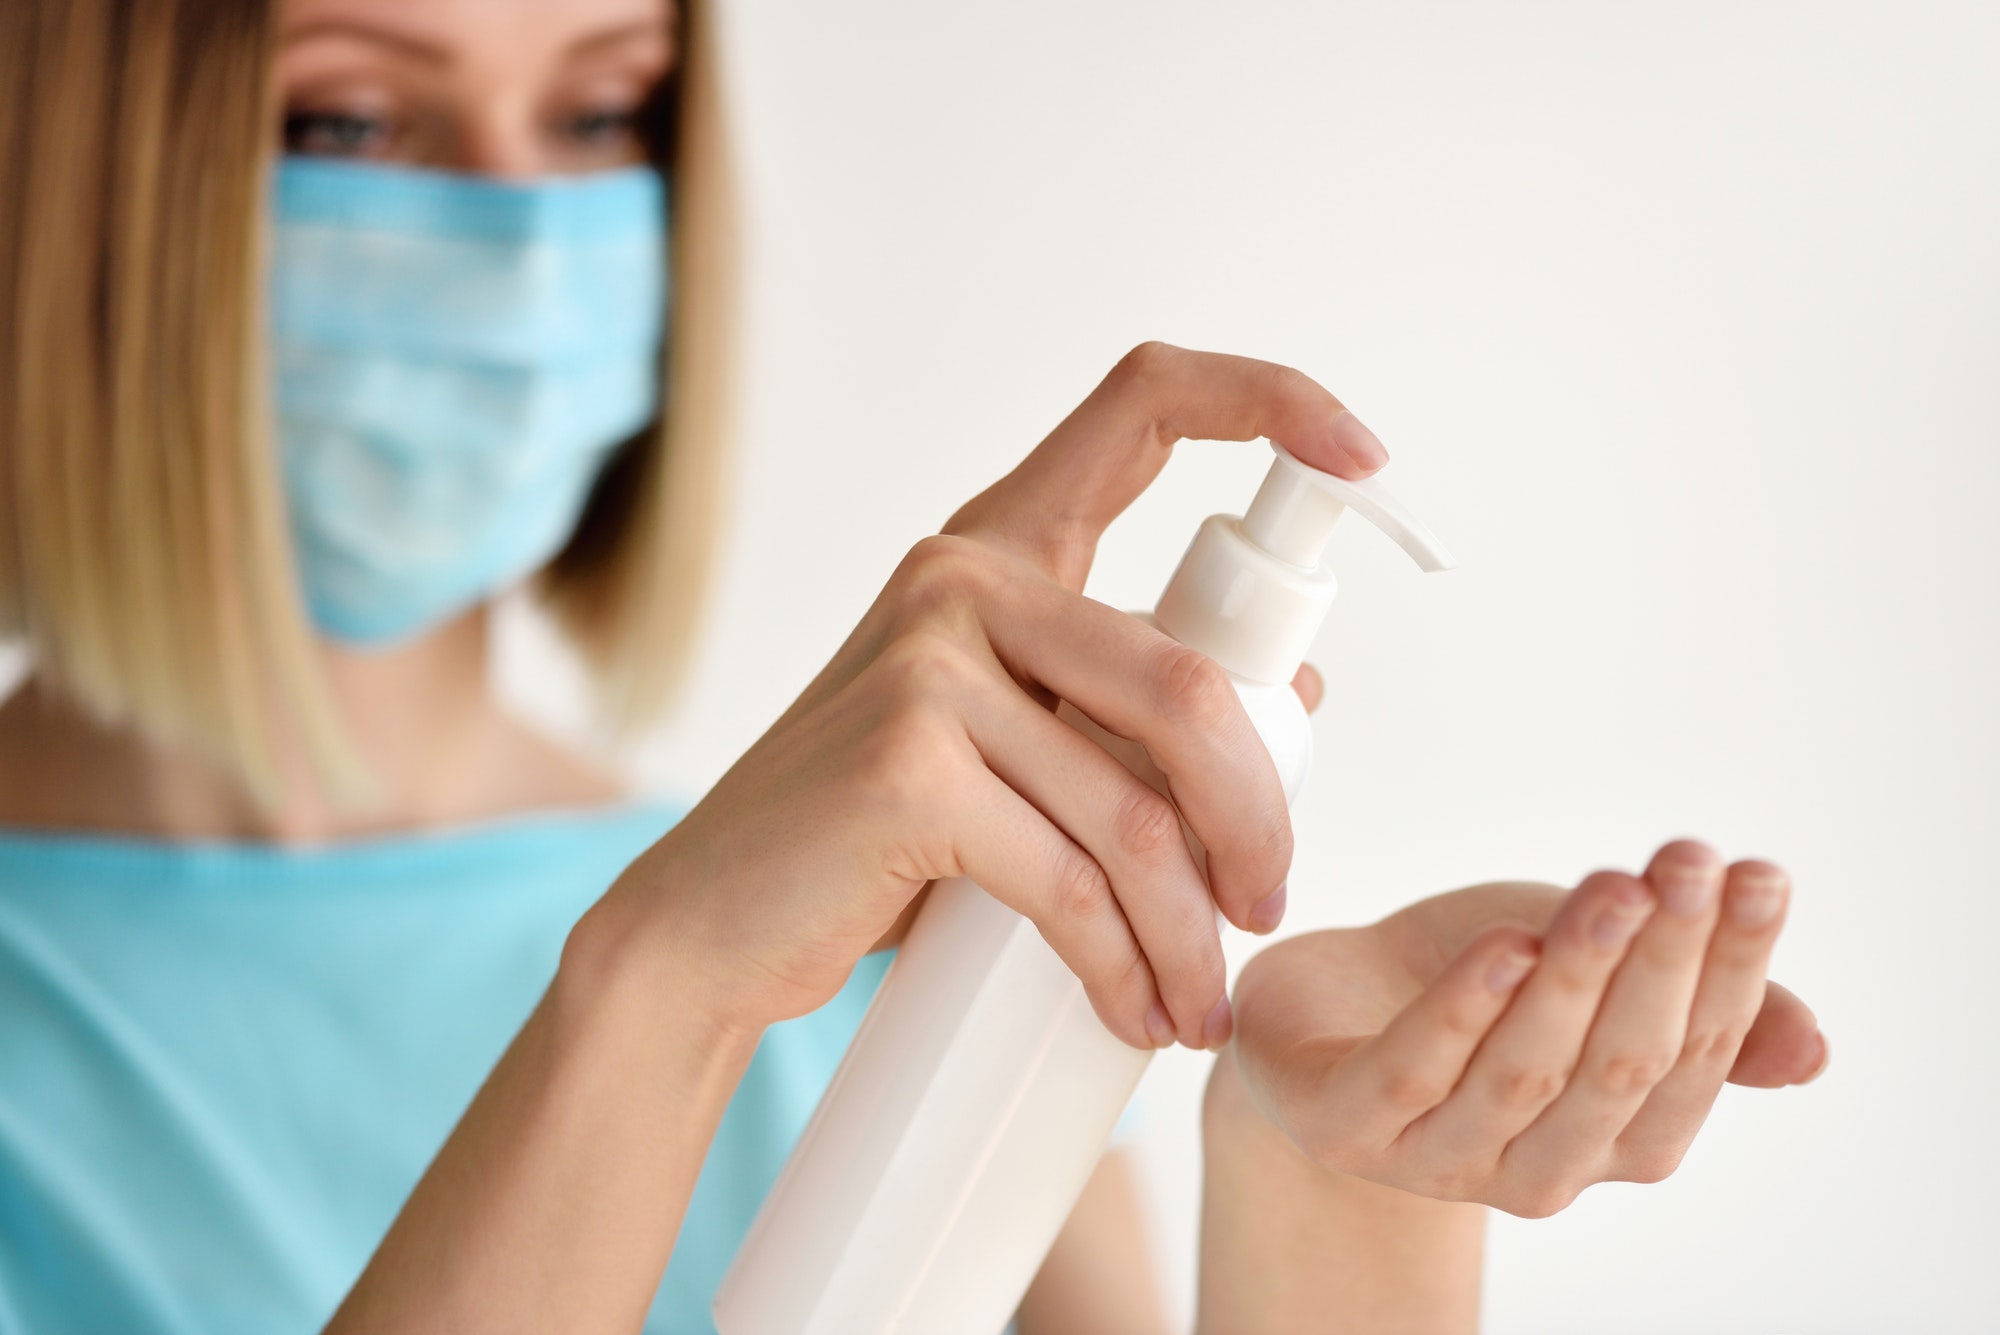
636	949
1232	1123
1288	1244
556	1201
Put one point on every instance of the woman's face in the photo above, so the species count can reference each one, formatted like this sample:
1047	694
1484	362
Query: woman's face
508	88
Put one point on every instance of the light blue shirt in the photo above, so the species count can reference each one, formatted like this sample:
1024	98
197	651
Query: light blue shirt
223	1067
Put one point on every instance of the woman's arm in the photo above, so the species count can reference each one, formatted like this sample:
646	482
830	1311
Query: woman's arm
1098	1278
925	749
556	1201
1287	1245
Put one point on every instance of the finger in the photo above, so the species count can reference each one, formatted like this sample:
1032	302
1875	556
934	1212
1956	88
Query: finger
1132	831
1640	1030
1784	1046
1723	1009
1527	1059
1058	501
1019	857
1368	1097
1310	686
1140	684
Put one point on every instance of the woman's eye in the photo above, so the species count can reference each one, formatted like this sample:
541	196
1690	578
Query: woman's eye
335	134
601	128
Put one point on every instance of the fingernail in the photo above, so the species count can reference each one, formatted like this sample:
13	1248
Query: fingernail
1160	1026
1215	1029
1268	912
1357	442
1756	896
1819	1067
1620	920
1505	973
1687	891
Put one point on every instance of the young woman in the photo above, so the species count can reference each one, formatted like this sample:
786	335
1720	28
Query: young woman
314	1003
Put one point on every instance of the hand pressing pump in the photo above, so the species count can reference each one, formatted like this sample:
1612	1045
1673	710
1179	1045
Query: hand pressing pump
981	1088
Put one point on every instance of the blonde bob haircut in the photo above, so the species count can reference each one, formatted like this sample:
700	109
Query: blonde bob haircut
144	555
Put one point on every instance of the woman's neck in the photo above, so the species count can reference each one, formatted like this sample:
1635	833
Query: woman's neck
420	718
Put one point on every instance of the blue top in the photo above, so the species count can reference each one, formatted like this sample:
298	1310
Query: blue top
223	1067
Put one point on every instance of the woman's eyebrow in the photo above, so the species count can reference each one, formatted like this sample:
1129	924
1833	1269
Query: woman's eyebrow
414	47
657	29
430	53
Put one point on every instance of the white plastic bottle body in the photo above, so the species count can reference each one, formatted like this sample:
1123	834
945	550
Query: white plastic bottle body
961	1127
981	1089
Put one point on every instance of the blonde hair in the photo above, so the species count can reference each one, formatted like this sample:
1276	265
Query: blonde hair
144	554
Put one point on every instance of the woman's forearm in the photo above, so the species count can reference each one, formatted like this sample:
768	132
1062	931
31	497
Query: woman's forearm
555	1203
1287	1245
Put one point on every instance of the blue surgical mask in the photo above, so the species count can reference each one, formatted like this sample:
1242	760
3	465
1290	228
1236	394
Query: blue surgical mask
456	360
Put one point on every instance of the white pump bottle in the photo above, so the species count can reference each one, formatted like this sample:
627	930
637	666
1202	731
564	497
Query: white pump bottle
981	1088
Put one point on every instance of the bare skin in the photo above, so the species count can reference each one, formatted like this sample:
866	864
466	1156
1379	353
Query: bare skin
822	836
505	88
440	754
514	89
556	1201
1508	1044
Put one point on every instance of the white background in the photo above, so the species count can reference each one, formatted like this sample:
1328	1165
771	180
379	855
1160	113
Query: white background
1683	324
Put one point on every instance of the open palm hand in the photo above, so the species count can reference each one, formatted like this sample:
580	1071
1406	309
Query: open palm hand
1513	1044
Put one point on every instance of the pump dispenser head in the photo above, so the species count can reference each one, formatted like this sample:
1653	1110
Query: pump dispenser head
1251	592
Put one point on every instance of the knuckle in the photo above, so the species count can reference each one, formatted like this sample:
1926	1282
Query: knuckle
1124	988
1521	1087
1285	382
1464	1018
1191	688
943	573
1407	1090
1145	361
904	762
1147	828
1573	981
1629	1074
1271	841
1133	976
923	667
1713	1044
1078	890
1606	895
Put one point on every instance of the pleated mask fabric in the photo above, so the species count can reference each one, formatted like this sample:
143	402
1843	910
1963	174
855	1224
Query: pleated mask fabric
456	358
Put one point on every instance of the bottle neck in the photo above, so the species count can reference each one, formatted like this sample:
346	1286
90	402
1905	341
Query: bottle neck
1254	614
1291	518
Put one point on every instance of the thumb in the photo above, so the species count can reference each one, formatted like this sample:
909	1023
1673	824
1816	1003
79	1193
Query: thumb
1056	504
1784	1045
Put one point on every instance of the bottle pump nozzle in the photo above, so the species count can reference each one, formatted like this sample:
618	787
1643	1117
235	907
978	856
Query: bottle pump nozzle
1251	592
